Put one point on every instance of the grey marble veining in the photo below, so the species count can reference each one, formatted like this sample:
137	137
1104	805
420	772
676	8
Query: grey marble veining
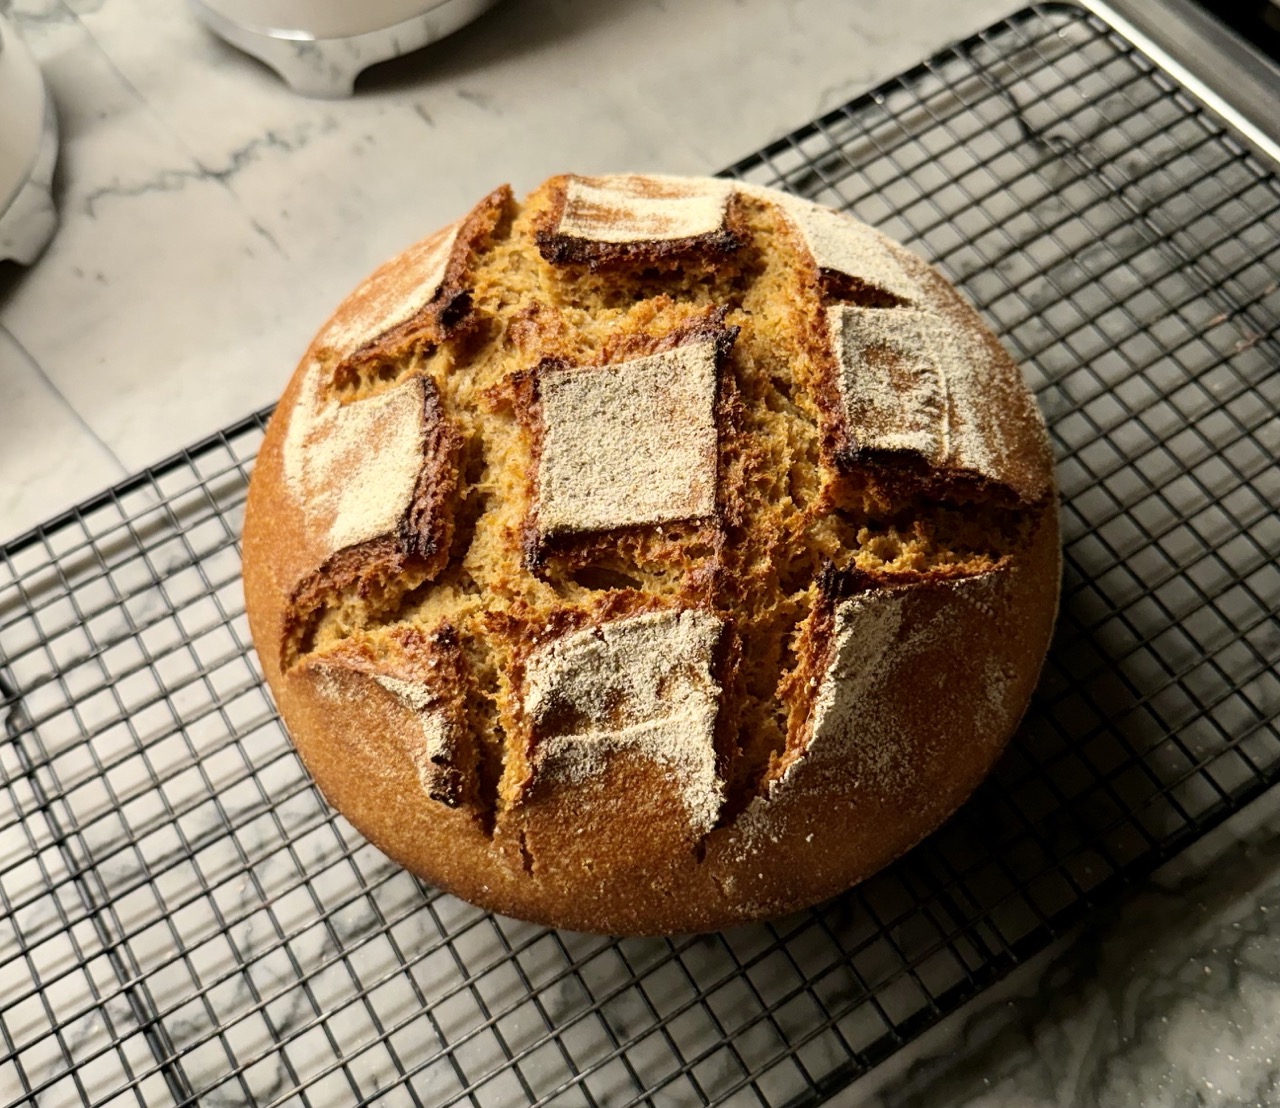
1170	998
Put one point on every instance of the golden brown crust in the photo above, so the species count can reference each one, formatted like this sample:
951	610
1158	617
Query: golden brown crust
673	725
420	680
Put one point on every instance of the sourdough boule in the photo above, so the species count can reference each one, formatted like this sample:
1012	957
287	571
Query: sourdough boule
652	555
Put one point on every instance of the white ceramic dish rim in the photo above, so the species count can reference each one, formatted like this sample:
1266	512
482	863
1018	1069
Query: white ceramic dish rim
314	20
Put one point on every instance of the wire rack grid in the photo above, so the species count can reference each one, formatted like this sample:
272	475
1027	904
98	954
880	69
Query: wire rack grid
183	920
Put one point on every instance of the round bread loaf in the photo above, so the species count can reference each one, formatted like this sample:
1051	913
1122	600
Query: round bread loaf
654	555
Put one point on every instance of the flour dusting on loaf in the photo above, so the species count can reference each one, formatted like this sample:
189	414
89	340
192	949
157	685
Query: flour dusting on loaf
642	684
308	417
865	647
378	447
877	634
629	208
909	382
357	465
843	245
629	443
391	296
435	752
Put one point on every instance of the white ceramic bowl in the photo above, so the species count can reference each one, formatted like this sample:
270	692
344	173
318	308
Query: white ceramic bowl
28	149
319	46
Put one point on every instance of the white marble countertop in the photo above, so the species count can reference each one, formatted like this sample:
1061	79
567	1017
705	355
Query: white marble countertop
211	219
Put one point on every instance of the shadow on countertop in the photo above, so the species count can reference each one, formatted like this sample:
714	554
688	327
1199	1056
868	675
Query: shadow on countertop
511	28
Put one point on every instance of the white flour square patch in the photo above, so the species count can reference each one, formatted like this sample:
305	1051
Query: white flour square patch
630	443
625	208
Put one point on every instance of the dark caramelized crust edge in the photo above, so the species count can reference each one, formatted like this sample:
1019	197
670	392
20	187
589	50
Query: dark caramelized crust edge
569	250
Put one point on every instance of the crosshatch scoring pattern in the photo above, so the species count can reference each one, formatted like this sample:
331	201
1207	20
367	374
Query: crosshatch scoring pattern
183	919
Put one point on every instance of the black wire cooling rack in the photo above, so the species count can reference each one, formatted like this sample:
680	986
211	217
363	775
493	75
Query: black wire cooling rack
183	920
